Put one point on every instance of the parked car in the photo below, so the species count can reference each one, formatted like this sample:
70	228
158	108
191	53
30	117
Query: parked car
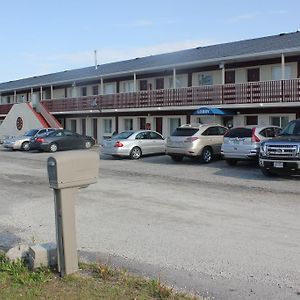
201	141
134	144
281	154
22	142
62	140
243	143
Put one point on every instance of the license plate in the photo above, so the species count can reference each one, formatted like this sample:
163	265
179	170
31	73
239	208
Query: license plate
278	164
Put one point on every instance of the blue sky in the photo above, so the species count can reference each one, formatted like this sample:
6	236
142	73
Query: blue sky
41	37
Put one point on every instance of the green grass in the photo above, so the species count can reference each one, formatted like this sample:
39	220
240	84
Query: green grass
96	281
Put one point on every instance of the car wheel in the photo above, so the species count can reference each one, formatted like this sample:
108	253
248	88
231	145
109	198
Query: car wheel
25	146
231	162
88	145
135	153
206	155
267	172
53	147
177	158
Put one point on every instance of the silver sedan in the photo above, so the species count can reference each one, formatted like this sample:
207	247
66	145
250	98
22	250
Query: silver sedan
134	144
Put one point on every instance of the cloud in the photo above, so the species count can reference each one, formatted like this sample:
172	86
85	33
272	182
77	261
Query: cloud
48	63
244	17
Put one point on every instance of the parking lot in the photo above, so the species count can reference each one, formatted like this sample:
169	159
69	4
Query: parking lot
226	232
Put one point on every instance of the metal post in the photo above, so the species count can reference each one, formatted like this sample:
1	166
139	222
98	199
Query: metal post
64	203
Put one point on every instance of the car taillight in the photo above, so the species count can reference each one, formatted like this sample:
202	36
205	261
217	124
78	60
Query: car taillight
254	138
118	144
39	140
191	139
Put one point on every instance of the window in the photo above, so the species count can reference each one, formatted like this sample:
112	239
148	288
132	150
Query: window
276	72
83	91
205	79
180	82
128	86
279	121
109	88
95	90
128	124
174	123
8	99
155	136
251	120
107	125
142	136
211	131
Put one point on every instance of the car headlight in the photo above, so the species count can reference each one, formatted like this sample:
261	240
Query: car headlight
263	149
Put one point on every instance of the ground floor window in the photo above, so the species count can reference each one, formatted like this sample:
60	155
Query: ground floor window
251	120
128	124
280	121
174	123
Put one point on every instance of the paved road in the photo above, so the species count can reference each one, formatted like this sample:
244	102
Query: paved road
223	232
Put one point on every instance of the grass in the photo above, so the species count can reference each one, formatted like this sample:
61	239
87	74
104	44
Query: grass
96	281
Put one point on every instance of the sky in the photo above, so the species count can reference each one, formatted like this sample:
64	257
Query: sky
41	37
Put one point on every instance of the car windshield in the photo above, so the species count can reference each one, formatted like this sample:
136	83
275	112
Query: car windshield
31	132
123	135
293	128
184	131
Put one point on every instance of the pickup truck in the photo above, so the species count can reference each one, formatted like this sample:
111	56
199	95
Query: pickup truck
281	155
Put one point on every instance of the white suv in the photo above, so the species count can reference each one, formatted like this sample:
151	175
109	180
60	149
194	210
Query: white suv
201	141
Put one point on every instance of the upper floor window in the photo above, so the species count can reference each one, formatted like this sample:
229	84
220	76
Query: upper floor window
109	88
277	74
180	82
205	79
127	86
95	90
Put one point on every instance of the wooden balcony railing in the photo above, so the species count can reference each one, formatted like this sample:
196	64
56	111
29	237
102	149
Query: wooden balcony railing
242	93
5	108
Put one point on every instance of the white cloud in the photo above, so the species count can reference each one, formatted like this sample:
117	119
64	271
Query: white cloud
244	17
48	63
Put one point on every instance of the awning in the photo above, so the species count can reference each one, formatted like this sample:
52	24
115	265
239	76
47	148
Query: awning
213	111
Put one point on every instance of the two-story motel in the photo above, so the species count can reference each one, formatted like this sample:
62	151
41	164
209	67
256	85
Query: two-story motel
251	82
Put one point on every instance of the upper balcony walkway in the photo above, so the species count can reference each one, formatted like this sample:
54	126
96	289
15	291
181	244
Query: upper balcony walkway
280	91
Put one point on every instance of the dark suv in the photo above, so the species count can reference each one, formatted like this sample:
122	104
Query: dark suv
282	154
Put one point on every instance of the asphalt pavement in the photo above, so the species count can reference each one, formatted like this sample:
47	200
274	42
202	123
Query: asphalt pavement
214	230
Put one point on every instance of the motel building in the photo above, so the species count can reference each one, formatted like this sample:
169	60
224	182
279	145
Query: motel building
249	82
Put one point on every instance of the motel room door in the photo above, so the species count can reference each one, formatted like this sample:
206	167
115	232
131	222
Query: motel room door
158	124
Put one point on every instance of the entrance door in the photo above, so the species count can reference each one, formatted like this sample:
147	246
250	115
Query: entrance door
159	84
143	85
158	124
95	129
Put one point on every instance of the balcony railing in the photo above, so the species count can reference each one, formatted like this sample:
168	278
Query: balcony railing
5	108
242	93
